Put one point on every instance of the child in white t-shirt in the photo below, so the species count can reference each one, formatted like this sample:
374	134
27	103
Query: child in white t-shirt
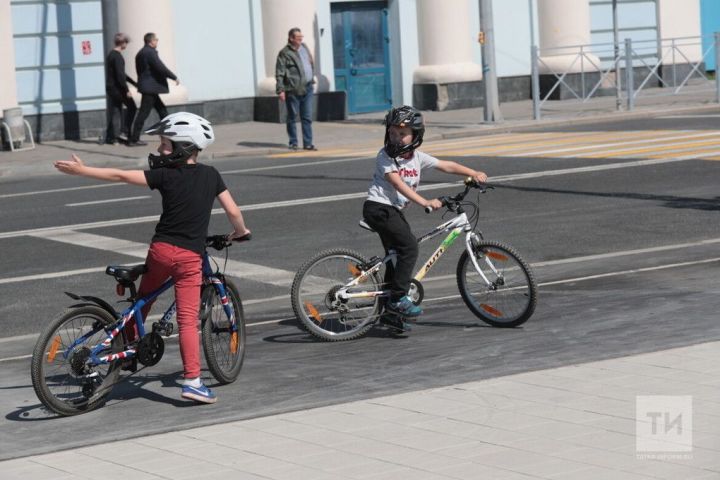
393	187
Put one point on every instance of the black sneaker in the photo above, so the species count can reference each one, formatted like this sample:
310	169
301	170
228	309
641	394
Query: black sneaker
394	323
310	147
293	147
129	365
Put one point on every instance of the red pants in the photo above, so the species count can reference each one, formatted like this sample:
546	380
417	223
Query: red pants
185	267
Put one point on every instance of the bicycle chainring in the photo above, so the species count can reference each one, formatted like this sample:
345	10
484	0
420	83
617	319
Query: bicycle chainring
150	349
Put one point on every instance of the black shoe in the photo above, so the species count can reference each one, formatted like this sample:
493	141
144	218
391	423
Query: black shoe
293	147
110	142
394	323
129	365
137	143
310	147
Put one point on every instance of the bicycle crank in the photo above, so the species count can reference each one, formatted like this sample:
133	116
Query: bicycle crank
150	349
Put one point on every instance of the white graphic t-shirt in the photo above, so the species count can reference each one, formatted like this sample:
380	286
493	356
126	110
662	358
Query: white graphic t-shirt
382	191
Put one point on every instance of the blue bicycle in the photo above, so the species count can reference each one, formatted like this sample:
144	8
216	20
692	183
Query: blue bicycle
78	357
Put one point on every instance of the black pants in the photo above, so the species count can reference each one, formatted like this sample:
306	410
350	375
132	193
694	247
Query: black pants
118	121
148	102
395	234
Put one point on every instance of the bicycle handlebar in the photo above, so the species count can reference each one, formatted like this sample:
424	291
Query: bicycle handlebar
449	202
219	242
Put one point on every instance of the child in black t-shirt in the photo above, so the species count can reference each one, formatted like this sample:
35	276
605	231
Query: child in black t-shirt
188	191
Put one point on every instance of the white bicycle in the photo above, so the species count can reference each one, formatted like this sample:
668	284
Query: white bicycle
339	295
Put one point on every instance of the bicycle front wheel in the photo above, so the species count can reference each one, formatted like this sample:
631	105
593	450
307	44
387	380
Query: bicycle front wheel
503	293
224	346
62	376
315	301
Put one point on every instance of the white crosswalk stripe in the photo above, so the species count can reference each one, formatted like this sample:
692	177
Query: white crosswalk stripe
591	144
258	273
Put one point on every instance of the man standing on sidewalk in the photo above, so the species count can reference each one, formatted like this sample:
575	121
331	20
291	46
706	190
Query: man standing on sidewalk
152	81
294	85
117	92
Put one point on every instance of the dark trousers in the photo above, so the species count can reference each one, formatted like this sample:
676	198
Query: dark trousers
302	104
118	121
148	102
395	234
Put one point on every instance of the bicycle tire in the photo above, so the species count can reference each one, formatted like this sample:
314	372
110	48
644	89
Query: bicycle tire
511	298
224	352
56	385
312	287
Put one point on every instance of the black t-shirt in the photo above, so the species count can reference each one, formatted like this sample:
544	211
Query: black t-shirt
188	193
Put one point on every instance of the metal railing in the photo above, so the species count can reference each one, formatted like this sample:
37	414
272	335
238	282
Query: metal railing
628	71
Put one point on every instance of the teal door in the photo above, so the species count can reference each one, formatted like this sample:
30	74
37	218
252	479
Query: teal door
710	23
361	54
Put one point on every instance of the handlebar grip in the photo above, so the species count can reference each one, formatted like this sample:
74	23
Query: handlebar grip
428	209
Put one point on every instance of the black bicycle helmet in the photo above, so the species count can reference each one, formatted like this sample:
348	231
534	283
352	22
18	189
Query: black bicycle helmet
404	116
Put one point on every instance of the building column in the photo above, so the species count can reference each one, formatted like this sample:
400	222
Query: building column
678	19
445	44
564	23
278	17
138	17
8	92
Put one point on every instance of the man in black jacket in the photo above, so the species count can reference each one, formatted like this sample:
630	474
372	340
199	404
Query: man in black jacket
152	81
117	92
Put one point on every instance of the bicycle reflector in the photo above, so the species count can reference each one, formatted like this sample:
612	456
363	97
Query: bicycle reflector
313	311
234	342
492	311
497	256
53	349
120	290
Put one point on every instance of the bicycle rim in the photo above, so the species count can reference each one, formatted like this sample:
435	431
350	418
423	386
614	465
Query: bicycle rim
62	380
316	305
509	296
223	345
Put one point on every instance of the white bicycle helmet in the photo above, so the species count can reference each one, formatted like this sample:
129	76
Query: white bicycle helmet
187	132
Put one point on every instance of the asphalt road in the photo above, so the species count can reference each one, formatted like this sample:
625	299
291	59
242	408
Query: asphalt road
626	253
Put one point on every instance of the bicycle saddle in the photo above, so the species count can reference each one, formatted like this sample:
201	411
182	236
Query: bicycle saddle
126	275
364	224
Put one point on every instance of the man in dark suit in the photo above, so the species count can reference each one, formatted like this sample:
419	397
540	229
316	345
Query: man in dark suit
117	92
152	81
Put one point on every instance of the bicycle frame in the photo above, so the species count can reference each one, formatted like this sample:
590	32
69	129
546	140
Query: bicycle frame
134	311
455	226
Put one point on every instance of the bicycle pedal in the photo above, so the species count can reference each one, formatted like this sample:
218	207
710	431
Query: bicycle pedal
395	323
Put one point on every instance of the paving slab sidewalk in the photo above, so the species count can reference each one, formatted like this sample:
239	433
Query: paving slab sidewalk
589	421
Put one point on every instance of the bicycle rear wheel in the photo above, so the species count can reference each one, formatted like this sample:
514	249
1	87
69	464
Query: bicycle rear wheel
224	347
314	300
508	297
62	377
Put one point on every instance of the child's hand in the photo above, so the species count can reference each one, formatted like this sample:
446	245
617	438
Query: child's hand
235	234
479	177
71	167
435	204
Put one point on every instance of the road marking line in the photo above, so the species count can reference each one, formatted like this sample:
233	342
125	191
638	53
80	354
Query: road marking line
111	200
633	142
48	231
455	296
254	272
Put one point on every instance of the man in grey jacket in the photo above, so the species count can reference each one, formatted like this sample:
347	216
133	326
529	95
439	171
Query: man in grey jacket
294	72
152	81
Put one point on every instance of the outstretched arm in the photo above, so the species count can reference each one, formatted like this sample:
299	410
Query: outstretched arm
75	166
234	215
449	166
